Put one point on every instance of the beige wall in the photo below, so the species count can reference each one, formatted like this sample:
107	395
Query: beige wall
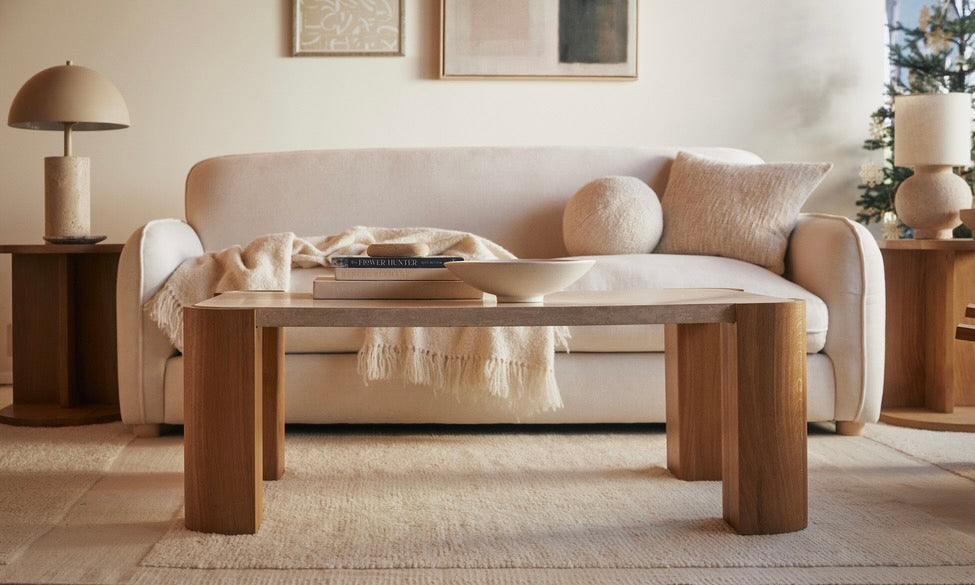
791	80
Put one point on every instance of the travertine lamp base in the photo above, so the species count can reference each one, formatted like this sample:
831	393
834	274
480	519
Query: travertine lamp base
929	201
67	196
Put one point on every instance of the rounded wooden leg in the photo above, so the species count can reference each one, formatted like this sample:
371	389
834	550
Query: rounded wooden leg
222	422
850	428
693	377
764	466
273	396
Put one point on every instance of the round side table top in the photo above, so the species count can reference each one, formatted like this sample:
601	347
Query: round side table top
60	248
956	244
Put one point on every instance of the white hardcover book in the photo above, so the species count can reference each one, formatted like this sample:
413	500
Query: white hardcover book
346	273
326	287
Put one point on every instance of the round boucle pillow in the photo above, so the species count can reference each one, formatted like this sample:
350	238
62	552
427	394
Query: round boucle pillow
612	215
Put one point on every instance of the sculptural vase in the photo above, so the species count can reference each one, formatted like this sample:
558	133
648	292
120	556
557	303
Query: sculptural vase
929	201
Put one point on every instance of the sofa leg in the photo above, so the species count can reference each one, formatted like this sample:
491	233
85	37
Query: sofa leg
146	430
850	428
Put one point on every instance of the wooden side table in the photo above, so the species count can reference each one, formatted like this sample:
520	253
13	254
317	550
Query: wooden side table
64	345
929	376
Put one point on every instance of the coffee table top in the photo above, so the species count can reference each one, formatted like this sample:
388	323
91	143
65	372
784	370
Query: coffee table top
283	309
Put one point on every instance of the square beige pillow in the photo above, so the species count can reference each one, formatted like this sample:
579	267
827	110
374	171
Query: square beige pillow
735	210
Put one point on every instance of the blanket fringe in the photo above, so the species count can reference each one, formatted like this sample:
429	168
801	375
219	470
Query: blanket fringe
465	377
166	311
562	335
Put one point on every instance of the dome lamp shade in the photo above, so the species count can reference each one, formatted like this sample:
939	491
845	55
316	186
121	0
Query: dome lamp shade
68	98
68	94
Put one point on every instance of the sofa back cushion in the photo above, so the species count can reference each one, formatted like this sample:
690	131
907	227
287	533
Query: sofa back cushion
514	196
743	211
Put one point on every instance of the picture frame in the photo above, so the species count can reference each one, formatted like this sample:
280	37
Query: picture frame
540	39
348	28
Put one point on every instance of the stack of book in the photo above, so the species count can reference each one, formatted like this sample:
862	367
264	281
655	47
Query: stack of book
398	277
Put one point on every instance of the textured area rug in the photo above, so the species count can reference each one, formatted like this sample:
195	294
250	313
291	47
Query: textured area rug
485	507
571	501
43	473
954	452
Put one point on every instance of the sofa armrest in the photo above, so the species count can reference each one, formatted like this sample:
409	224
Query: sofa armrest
150	255
839	261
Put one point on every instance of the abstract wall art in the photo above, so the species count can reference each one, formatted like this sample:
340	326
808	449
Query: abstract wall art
348	27
538	38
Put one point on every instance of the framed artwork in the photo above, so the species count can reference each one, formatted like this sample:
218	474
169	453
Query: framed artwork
348	27
538	39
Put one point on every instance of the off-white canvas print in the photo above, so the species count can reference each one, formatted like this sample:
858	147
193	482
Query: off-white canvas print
539	38
348	27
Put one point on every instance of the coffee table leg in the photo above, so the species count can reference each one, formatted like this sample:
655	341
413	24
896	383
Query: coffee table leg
273	415
693	375
764	419
222	420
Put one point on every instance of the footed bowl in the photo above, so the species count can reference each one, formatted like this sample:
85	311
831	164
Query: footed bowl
520	281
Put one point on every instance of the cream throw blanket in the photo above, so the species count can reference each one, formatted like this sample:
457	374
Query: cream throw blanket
513	364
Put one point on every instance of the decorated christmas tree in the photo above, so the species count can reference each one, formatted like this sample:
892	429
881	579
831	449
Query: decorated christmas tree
936	56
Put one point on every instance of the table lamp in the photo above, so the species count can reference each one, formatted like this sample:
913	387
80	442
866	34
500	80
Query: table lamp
932	133
68	98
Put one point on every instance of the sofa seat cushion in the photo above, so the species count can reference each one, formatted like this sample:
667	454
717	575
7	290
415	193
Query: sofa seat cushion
613	272
634	271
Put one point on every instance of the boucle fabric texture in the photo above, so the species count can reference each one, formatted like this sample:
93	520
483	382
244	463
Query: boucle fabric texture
612	215
513	364
735	210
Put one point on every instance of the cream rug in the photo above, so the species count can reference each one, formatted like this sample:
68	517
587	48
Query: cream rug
44	472
579	501
492	507
954	452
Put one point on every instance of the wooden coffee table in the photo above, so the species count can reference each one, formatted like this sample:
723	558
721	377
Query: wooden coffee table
735	369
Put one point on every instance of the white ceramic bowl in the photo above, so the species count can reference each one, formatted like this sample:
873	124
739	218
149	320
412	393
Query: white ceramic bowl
520	281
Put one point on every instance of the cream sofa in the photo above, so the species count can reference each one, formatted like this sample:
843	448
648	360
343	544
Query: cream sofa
514	196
